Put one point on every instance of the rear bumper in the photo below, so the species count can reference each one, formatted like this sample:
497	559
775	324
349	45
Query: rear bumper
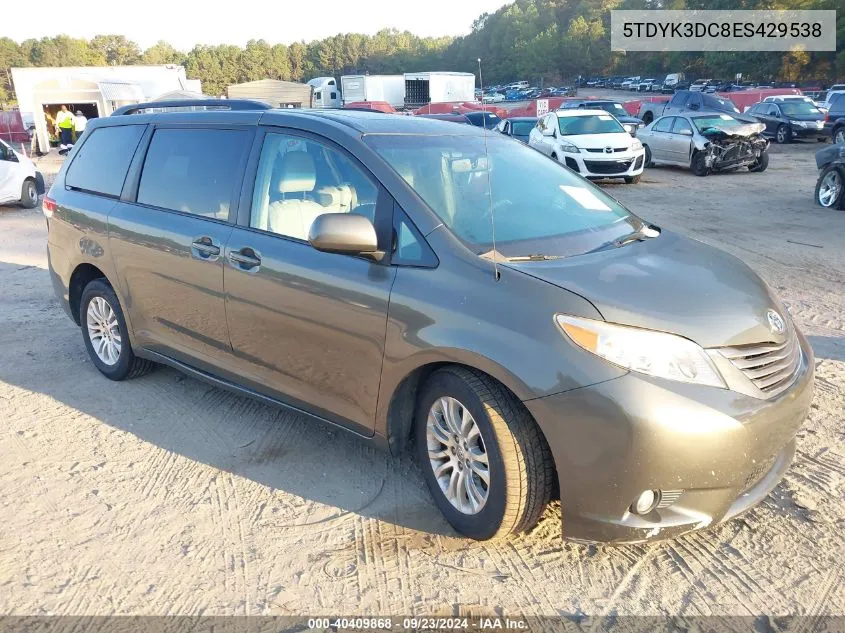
713	453
57	263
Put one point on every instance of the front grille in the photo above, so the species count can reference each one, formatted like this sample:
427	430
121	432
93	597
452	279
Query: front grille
668	497
601	150
608	166
772	367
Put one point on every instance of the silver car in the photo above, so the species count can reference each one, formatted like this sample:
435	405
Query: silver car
705	142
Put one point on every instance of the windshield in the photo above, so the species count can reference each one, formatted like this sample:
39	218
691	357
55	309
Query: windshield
724	121
588	124
798	108
613	108
725	104
559	215
523	128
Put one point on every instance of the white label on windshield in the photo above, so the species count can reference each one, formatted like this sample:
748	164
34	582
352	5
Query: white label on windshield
726	117
605	117
585	198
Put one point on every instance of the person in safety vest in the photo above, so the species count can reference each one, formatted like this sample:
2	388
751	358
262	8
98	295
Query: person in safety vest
64	120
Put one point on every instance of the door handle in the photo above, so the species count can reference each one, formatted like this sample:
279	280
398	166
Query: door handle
205	247
245	258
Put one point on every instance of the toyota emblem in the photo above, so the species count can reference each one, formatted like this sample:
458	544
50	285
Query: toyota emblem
776	323
608	150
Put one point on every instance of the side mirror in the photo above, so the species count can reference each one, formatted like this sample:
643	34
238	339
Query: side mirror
344	233
630	128
548	131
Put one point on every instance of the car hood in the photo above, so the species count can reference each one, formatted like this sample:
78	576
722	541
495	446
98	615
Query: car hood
669	283
743	131
599	141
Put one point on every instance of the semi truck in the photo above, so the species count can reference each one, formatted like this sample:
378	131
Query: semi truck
326	92
438	87
387	88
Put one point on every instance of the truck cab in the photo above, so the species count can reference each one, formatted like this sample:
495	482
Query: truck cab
326	92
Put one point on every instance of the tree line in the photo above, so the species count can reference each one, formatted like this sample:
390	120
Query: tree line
550	41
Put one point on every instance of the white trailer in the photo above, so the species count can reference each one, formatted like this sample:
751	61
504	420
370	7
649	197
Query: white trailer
389	88
438	87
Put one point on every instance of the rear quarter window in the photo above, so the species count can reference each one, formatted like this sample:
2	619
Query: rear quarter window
102	161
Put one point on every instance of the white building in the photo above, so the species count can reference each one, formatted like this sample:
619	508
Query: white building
95	90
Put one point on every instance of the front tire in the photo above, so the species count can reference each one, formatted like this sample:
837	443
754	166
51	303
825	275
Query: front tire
632	180
106	335
699	164
783	134
488	467
761	164
29	195
839	135
647	160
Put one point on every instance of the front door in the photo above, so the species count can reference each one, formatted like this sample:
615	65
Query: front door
660	141
168	242
308	327
680	141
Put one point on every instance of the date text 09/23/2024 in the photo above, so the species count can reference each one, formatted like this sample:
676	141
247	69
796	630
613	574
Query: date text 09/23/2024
418	623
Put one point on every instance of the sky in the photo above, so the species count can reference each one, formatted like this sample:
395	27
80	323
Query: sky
185	24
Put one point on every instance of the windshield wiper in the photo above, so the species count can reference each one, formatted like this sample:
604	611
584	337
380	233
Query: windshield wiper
642	233
537	257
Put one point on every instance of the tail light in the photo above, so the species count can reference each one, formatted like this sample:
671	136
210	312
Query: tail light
48	206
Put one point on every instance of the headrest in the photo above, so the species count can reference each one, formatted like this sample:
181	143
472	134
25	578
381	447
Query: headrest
339	197
298	173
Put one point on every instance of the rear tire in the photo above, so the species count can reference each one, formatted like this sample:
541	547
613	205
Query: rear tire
29	195
761	164
783	134
519	469
699	166
106	335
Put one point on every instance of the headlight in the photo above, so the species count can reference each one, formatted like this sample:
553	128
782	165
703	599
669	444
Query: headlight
636	145
569	147
630	128
646	351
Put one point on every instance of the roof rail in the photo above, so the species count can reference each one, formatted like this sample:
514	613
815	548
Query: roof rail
200	104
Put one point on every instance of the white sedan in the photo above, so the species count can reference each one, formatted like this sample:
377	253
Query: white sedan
493	97
590	142
20	182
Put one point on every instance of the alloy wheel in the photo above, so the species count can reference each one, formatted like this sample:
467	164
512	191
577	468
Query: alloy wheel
840	137
781	134
830	188
457	455
30	192
103	330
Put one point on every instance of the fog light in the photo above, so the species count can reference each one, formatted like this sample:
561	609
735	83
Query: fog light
646	502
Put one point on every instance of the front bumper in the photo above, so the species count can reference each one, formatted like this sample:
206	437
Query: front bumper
713	453
615	165
808	132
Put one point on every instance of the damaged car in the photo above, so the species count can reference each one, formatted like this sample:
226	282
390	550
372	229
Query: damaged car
830	187
705	142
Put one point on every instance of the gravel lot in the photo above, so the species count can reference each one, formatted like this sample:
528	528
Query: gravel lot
166	496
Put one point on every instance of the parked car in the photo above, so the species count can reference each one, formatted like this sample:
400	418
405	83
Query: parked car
563	91
645	85
788	120
517	127
630	83
699	85
830	186
630	123
20	182
482	118
345	264
834	90
686	100
834	124
705	142
591	143
493	97
670	82
513	95
717	86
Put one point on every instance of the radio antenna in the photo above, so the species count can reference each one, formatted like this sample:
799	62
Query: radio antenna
496	275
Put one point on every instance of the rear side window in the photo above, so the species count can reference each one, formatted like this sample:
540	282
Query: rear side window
680	99
664	124
101	163
193	171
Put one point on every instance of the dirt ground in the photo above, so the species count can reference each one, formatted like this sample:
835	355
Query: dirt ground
163	495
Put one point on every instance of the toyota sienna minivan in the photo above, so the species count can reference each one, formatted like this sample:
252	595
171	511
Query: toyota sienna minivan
431	285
